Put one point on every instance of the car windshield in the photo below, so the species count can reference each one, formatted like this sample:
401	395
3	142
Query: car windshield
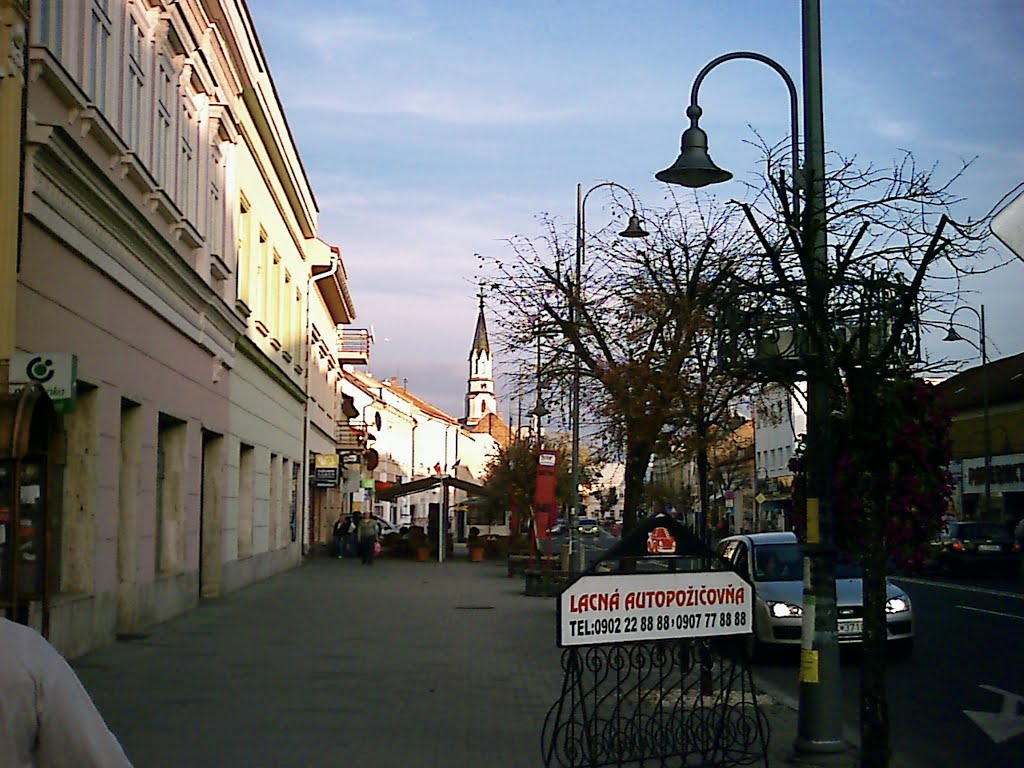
778	562
784	562
980	531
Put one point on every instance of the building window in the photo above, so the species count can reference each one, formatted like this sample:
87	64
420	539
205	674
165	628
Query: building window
244	255
187	175
165	90
215	206
51	26
285	319
135	84
262	271
274	300
298	337
99	46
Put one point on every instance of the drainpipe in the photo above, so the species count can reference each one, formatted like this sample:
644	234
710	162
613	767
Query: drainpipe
307	507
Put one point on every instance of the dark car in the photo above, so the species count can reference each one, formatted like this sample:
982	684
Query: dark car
973	544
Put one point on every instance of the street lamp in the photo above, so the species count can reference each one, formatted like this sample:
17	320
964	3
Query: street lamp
539	409
952	335
633	230
819	720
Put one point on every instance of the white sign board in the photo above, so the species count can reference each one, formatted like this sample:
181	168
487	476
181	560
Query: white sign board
661	606
55	372
1008	225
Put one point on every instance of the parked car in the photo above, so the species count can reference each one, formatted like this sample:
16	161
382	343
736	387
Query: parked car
774	563
970	543
384	527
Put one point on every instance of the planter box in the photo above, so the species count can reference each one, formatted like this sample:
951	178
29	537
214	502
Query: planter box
542	583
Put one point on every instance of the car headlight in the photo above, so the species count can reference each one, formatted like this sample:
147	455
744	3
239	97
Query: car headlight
897	605
784	610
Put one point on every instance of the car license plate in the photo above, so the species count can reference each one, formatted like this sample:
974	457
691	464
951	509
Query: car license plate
849	627
989	547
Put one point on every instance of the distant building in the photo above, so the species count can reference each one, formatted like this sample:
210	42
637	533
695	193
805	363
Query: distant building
780	418
480	397
411	439
1001	384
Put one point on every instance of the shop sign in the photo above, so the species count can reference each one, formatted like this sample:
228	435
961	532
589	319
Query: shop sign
55	372
326	470
1005	474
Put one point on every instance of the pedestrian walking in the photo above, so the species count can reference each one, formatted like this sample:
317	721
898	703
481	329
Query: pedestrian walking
367	534
47	719
342	526
352	540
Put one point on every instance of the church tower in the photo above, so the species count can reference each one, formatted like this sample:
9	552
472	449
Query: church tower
480	399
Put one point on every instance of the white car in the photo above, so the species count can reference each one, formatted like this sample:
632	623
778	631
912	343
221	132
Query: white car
774	563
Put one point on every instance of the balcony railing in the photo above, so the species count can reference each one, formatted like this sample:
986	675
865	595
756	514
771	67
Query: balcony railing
354	346
351	436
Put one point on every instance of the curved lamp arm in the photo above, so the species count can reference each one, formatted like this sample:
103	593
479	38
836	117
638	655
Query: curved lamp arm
581	212
954	336
694	111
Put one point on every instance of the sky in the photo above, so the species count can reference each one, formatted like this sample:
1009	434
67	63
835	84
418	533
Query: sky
434	130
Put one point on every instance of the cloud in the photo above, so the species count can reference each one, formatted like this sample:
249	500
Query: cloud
896	130
453	103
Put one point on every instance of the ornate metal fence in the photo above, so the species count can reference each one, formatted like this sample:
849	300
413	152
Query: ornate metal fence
688	702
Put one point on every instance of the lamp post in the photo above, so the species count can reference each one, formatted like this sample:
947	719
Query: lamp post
819	720
760	486
952	335
633	230
539	409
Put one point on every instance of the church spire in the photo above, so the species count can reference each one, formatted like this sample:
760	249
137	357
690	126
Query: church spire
480	343
480	397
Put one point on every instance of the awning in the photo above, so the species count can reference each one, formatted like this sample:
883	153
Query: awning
425	484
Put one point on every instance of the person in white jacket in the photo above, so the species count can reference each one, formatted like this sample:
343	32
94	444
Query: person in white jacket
47	719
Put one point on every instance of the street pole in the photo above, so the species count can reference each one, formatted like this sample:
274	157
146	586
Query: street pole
952	335
575	559
985	415
819	722
633	230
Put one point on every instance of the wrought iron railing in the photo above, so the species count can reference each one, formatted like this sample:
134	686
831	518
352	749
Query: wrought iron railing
688	702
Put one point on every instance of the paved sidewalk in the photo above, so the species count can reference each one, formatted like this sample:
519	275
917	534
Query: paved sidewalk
399	665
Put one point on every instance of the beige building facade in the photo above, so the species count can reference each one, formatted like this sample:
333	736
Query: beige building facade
169	249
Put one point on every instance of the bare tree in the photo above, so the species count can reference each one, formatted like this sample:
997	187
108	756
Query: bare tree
641	323
898	260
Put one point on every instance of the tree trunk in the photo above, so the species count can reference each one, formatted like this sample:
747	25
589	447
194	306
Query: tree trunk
702	486
638	456
871	449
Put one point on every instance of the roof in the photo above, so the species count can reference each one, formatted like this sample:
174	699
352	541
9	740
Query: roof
492	424
398	490
334	289
480	343
1004	379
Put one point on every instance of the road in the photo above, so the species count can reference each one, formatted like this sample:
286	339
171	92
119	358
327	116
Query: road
967	654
